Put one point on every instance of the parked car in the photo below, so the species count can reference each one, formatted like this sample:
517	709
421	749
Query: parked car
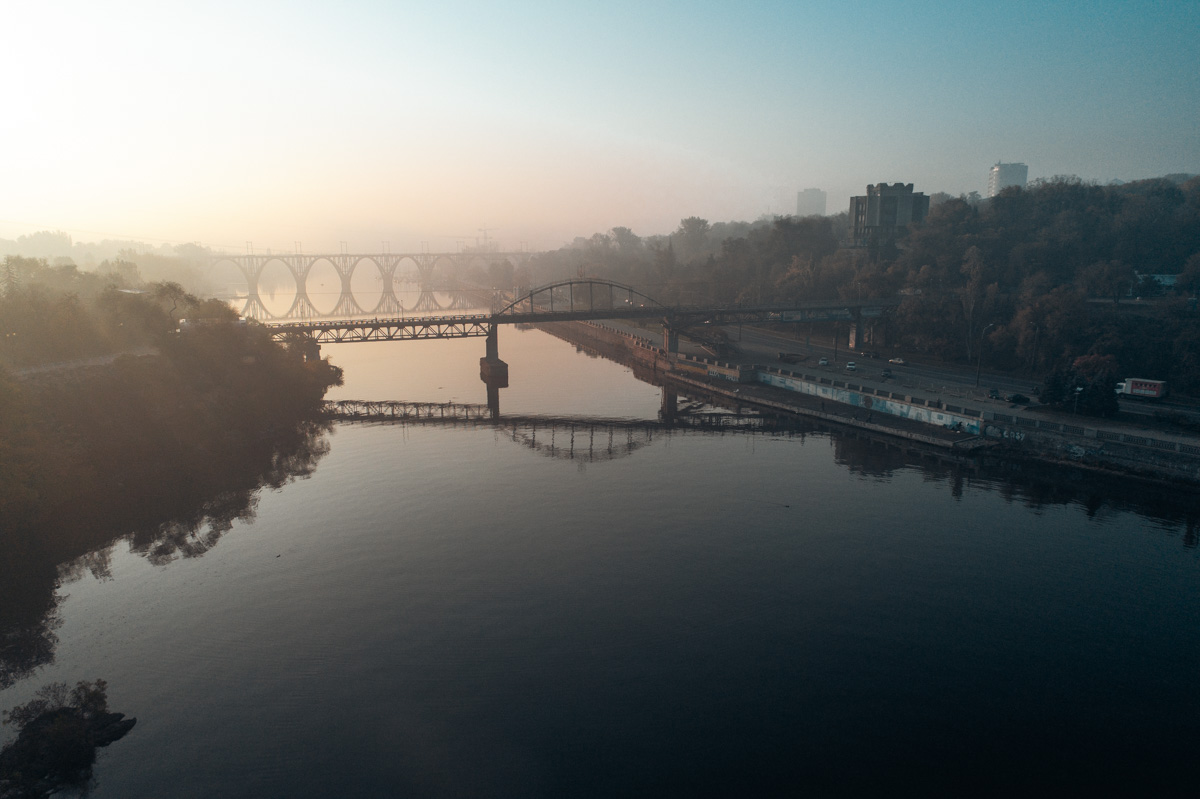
851	366
897	361
823	362
993	393
1017	399
885	374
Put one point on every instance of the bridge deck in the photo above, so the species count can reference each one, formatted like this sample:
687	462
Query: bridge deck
471	325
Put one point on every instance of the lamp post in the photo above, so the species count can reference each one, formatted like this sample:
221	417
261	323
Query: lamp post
979	359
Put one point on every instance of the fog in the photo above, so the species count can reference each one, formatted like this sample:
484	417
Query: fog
369	123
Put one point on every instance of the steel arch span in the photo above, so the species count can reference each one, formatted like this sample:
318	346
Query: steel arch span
585	295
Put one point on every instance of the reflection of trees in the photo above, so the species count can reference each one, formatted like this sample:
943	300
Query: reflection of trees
59	732
1032	483
181	513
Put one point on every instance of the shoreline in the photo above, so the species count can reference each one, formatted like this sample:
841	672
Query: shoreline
1009	436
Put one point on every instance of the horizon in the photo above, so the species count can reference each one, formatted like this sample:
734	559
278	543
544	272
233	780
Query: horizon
371	123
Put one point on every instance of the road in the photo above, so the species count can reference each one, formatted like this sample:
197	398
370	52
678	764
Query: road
81	363
920	379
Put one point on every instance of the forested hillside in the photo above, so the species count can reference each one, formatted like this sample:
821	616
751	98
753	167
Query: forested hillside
1037	277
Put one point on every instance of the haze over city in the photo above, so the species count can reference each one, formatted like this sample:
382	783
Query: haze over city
419	124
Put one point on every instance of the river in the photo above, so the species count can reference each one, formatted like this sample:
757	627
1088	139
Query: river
464	610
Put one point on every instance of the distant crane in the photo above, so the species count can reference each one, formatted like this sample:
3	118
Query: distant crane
485	231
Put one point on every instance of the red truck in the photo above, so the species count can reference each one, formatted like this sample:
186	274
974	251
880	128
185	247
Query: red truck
1142	388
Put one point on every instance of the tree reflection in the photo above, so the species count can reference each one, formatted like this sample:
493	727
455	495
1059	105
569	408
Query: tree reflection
59	732
182	514
1035	484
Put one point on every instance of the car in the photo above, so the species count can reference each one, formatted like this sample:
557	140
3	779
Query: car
993	393
823	362
851	366
897	361
1017	399
885	374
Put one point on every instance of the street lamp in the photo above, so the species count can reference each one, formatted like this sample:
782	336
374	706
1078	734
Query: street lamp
979	359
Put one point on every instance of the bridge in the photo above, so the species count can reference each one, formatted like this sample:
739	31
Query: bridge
579	438
426	267
569	301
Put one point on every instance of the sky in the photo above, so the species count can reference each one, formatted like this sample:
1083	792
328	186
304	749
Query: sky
424	124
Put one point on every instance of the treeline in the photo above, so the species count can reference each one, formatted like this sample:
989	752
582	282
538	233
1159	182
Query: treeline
1035	277
54	313
166	449
215	380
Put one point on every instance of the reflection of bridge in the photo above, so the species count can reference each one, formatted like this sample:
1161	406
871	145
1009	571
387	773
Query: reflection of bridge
426	266
582	438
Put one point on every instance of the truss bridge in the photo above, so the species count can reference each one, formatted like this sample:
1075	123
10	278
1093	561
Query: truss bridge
580	438
573	300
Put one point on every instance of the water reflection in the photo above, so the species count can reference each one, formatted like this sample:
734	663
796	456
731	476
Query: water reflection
1034	484
182	512
59	732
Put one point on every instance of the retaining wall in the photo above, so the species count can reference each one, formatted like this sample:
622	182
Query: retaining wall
878	400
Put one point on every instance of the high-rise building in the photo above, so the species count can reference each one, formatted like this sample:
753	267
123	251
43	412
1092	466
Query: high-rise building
1004	175
810	202
884	210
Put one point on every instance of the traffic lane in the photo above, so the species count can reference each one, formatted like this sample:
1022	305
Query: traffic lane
929	378
932	382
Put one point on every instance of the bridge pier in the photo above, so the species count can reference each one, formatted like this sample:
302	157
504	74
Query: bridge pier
669	407
493	371
670	340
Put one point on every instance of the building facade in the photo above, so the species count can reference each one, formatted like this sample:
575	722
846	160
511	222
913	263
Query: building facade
884	210
810	202
1004	175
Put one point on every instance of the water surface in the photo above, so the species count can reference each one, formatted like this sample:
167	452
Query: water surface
447	611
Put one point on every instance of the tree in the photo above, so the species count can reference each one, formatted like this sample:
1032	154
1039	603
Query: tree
1108	278
9	277
693	236
1189	279
628	243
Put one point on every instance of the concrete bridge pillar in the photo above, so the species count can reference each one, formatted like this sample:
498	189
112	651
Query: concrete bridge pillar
670	340
492	370
670	404
493	345
493	400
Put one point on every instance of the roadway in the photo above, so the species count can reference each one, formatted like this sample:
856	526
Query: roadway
917	378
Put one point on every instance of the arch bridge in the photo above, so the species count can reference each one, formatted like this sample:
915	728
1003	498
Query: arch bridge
573	300
429	267
577	438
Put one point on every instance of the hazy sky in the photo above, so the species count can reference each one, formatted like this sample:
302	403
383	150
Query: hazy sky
356	121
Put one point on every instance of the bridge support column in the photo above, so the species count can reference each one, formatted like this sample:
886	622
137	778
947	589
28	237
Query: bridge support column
493	344
493	400
670	340
493	372
670	404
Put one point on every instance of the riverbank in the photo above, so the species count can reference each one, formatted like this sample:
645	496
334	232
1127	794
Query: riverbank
1018	434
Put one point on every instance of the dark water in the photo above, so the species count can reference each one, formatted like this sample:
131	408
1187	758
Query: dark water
452	611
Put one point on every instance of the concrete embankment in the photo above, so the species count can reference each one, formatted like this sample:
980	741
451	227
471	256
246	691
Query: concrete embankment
840	400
